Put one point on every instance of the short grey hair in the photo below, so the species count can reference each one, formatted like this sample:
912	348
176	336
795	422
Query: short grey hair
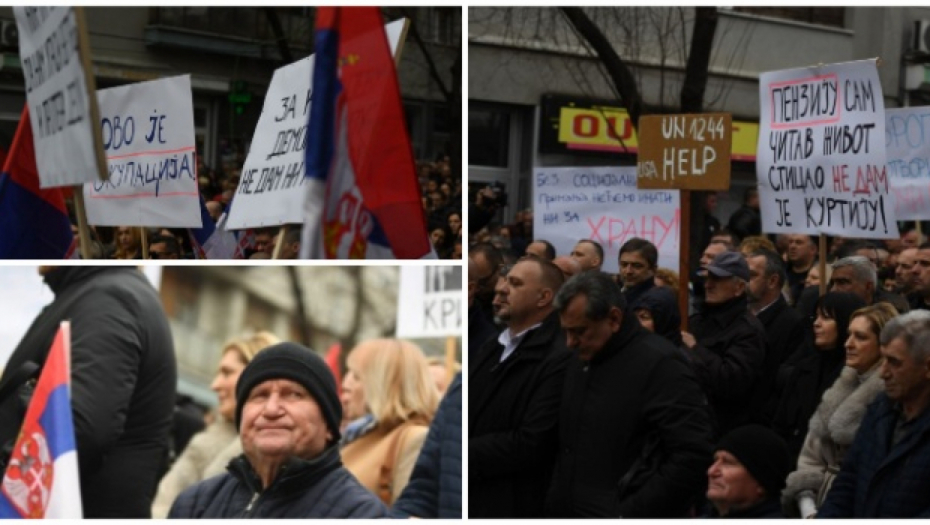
602	293
862	268
914	329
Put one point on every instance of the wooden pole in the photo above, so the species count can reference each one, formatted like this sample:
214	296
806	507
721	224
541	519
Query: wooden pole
822	264
144	235
683	249
276	254
83	231
93	108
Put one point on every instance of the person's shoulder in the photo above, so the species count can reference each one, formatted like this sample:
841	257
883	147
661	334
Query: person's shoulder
348	498
193	501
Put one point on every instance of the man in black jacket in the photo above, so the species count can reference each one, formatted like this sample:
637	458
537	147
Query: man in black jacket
288	415
514	390
638	260
634	433
728	346
123	380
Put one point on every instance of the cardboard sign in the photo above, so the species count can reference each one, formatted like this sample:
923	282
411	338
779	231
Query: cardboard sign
604	205
907	143
59	93
687	152
148	135
430	302
270	191
821	160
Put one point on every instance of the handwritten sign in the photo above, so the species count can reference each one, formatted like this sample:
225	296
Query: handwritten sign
269	192
604	205
59	93
687	152
821	159
148	136
431	302
907	144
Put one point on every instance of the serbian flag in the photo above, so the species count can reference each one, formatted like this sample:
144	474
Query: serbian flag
42	479
212	241
34	222
363	199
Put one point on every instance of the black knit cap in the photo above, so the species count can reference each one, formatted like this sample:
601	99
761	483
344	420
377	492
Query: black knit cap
764	454
301	365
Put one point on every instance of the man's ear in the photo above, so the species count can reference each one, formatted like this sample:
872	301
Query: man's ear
615	317
546	296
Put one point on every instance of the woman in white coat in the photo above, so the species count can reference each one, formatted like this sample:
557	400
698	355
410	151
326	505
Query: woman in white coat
837	418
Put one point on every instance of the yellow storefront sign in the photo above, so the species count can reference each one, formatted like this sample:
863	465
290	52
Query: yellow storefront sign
610	129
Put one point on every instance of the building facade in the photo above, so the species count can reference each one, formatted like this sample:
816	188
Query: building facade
537	98
231	54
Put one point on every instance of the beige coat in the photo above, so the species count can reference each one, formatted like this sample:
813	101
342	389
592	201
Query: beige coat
192	465
365	456
832	430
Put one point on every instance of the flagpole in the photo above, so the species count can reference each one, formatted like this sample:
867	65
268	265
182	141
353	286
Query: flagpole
145	242
276	254
81	213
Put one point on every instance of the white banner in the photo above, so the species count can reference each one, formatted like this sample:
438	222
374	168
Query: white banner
148	136
269	192
907	144
56	93
821	155
603	204
430	302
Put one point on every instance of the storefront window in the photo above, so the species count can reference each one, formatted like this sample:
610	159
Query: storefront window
488	138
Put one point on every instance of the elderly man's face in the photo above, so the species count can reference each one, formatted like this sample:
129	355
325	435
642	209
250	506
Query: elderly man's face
906	379
844	280
718	290
584	335
729	484
281	419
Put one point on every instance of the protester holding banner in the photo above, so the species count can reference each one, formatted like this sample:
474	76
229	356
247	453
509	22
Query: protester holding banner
210	451
122	386
389	380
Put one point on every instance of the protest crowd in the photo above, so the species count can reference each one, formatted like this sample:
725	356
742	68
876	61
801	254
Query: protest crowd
590	398
293	435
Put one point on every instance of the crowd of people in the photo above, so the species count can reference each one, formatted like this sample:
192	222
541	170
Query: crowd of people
441	197
592	397
286	439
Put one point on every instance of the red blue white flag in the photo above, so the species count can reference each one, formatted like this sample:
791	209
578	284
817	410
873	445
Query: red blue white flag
34	222
363	198
41	480
213	241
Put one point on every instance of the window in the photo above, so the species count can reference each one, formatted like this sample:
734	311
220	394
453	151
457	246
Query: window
442	25
488	138
825	16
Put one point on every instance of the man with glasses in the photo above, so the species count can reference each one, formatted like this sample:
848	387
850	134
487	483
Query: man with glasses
164	247
514	389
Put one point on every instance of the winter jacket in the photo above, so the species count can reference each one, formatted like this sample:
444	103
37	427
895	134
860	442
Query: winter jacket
190	466
662	303
807	374
878	480
766	509
367	455
435	487
318	488
123	381
480	329
784	334
512	417
634	434
830	434
633	293
729	358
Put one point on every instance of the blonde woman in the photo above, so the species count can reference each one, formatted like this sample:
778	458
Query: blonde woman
389	391
210	450
837	418
128	243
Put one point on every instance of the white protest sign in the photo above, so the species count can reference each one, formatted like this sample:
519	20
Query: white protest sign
57	93
148	136
907	145
269	192
821	155
603	204
430	302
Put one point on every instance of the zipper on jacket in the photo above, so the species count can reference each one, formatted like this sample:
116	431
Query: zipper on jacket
248	508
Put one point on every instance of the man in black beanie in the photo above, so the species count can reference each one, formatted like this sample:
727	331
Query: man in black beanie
288	415
748	474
